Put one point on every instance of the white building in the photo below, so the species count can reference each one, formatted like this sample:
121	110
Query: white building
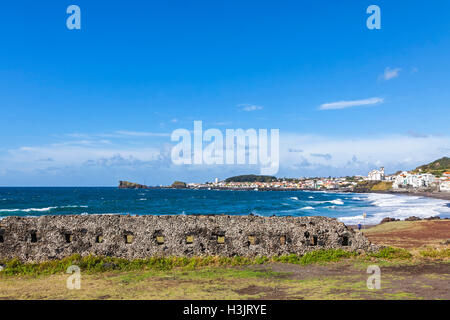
376	175
444	186
216	180
406	179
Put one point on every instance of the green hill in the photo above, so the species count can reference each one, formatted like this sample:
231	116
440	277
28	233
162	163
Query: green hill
251	178
436	167
178	185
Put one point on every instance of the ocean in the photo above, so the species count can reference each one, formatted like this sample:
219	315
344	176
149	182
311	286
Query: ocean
347	207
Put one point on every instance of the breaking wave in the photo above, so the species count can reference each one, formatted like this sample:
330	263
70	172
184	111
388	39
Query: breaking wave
398	207
47	209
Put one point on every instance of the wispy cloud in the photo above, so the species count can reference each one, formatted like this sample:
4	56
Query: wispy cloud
325	156
390	73
351	103
249	107
416	134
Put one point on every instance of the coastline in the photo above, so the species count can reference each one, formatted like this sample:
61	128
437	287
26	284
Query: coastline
427	194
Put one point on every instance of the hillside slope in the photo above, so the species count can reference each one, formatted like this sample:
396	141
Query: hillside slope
437	167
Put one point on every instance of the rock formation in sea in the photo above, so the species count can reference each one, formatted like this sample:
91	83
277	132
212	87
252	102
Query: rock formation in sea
131	185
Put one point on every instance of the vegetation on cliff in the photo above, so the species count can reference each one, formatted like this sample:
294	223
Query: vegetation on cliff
382	186
251	178
437	167
368	186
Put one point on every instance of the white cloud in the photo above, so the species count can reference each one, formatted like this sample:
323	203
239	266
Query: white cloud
391	73
393	151
300	155
249	107
351	103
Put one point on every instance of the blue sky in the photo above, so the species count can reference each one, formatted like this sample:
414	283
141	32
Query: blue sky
92	106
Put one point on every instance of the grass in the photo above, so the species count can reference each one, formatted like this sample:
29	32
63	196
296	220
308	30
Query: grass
217	277
435	253
318	256
390	253
394	226
382	186
96	264
205	283
93	264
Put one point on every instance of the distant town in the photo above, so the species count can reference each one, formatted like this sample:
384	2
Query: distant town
402	181
428	178
433	177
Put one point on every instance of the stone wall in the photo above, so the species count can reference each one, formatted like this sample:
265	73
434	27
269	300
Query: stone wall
55	237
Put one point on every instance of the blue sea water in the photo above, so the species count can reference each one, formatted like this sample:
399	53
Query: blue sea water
347	207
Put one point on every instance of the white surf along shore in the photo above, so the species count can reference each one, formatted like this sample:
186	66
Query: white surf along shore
398	207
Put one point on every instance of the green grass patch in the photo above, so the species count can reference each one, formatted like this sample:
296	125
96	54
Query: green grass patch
391	253
93	264
435	253
318	256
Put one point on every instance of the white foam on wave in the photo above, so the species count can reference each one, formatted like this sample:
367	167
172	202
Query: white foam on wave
73	206
40	209
28	209
335	201
293	198
307	208
398	207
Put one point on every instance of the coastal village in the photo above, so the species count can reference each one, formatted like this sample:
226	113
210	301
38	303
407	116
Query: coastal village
421	179
432	178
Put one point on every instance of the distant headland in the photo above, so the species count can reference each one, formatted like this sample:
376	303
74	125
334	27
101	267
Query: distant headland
131	185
